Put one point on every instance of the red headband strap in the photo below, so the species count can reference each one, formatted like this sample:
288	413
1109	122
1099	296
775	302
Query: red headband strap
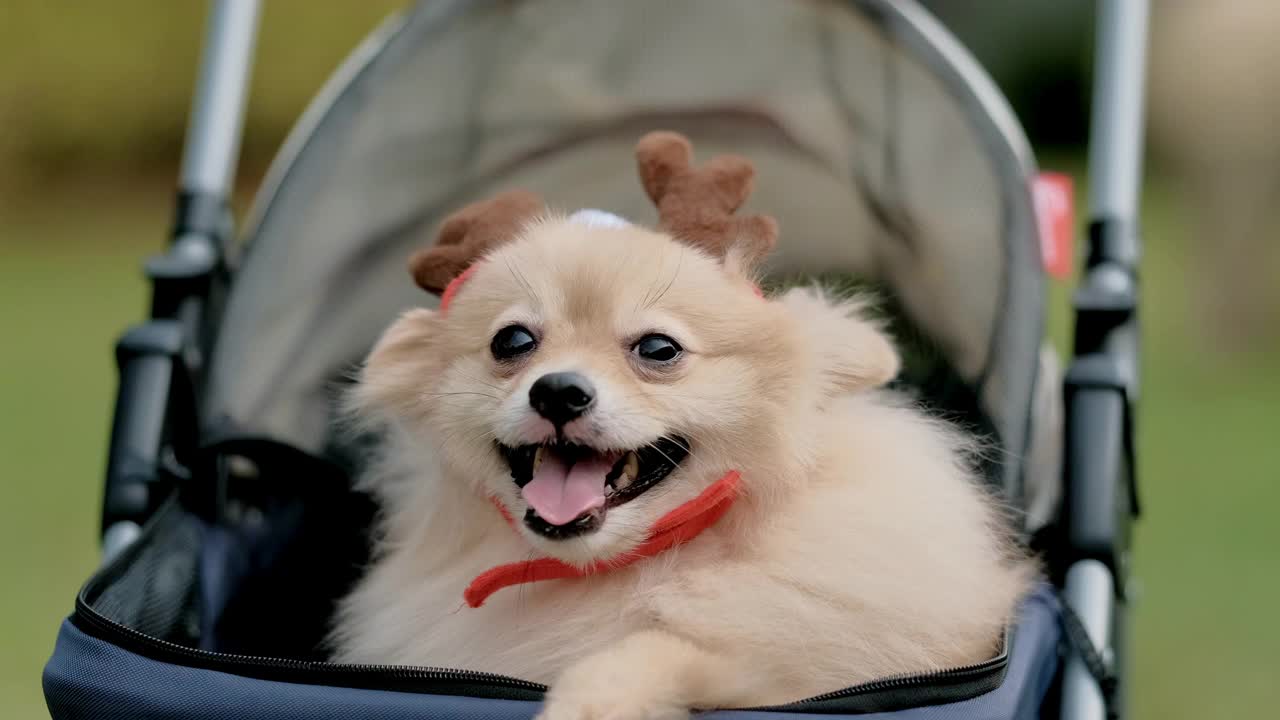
454	285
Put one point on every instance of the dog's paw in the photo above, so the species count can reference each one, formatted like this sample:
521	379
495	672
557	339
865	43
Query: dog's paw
603	705
598	692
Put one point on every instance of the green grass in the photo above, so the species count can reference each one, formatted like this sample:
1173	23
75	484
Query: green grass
69	281
1209	459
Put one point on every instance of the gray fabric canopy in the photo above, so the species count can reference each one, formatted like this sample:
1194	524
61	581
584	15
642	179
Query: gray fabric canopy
882	149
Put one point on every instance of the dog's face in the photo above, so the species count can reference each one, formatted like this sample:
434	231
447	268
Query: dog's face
591	379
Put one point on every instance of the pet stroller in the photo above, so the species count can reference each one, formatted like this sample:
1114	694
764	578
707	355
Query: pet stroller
229	522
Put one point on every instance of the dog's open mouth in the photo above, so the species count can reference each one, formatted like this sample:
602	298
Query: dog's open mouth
569	487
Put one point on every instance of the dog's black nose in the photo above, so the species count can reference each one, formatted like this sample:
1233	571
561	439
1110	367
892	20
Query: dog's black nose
561	397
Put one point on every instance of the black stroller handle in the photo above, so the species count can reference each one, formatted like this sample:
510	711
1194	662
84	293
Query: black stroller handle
154	424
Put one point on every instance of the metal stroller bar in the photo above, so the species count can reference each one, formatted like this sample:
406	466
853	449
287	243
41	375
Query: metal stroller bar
211	149
217	111
1101	385
1115	149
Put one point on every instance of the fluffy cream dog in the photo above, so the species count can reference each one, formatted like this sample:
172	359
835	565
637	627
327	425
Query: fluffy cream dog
589	378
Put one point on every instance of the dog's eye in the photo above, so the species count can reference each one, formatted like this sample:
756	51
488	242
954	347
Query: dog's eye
511	341
657	348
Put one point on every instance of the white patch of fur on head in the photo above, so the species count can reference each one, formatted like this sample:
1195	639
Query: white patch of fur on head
598	218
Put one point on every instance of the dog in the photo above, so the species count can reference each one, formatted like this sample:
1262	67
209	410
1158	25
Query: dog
591	378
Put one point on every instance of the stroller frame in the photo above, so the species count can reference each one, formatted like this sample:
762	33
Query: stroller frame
161	361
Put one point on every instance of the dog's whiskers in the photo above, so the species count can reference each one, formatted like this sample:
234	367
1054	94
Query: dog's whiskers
474	379
660	452
650	302
677	441
474	438
519	278
463	392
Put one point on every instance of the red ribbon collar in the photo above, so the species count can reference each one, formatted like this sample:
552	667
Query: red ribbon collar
675	528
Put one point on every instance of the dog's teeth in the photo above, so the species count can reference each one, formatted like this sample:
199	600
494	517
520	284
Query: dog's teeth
537	458
630	469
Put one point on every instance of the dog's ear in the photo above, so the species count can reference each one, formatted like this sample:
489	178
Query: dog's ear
393	372
469	233
850	351
697	204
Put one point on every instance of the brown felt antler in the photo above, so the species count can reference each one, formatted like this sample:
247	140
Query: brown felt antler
469	233
696	204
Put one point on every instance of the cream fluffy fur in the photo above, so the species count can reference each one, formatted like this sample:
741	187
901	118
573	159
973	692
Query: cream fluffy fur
861	547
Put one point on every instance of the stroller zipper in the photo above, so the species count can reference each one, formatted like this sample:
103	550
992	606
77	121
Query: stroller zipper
898	691
375	677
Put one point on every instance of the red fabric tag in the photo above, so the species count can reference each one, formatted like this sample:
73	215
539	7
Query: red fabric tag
1053	195
675	528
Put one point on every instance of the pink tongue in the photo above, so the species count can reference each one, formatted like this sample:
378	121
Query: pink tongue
560	497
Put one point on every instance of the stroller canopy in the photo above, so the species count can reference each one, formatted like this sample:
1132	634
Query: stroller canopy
881	147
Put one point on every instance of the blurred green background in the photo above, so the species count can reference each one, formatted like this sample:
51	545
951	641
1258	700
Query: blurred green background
93	103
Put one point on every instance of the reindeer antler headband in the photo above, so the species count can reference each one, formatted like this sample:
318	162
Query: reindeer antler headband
696	206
